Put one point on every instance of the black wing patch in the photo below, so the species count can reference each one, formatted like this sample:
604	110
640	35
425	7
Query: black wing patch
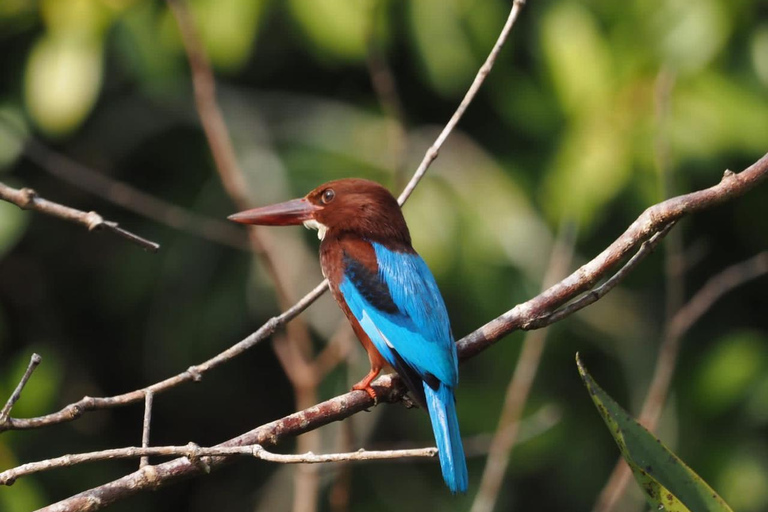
370	285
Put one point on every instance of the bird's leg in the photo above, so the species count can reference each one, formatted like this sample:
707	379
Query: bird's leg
365	384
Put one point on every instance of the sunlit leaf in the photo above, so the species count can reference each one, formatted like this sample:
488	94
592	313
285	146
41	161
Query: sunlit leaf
577	56
591	167
729	370
63	79
667	482
338	27
70	17
152	56
743	479
689	34
227	29
445	51
12	130
713	114
759	49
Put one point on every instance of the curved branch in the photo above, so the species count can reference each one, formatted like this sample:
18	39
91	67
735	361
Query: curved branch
653	220
389	387
192	374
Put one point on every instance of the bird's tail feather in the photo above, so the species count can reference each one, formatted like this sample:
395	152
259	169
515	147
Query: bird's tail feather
445	425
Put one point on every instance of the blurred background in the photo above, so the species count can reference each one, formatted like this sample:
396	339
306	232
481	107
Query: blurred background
594	111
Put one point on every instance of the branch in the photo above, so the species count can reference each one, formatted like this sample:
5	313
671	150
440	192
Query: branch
33	362
389	387
653	220
27	199
196	455
486	68
192	374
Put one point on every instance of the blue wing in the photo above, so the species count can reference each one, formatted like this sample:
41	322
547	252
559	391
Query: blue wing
403	313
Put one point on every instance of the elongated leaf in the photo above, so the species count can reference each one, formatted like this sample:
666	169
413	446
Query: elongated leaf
665	479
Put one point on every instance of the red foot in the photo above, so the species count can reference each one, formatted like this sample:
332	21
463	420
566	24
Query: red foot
365	385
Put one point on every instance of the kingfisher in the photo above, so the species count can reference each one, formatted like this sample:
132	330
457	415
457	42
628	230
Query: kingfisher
388	294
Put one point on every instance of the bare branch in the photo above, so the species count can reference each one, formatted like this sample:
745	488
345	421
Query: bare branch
195	453
486	68
27	199
653	220
149	398
192	374
33	362
388	387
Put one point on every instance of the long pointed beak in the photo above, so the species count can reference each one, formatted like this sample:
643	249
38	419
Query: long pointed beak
289	213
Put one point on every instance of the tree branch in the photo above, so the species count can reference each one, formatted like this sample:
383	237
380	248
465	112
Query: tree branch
653	220
33	362
192	374
389	388
197	455
27	199
486	68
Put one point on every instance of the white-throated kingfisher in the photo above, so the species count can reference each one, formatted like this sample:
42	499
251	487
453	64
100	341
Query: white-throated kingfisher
389	296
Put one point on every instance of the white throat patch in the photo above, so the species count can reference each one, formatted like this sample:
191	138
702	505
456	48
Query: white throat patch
313	224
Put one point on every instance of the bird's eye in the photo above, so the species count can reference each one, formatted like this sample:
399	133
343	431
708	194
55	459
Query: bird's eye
328	195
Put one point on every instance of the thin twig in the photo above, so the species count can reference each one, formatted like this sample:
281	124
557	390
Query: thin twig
146	425
195	453
486	68
520	385
33	362
715	288
27	199
192	374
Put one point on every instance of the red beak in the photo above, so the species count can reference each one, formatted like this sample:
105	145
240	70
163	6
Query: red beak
295	211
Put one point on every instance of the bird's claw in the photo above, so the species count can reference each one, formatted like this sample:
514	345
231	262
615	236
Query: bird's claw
371	393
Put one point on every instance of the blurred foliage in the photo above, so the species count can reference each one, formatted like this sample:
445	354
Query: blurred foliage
573	123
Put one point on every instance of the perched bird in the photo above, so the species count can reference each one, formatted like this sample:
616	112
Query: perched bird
389	296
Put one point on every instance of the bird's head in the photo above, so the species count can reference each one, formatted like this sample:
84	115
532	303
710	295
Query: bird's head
348	206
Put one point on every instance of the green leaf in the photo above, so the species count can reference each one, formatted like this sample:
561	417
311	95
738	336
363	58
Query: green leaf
578	57
730	371
227	29
335	28
443	45
667	482
63	80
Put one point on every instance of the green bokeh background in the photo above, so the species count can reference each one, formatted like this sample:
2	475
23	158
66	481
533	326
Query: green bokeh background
569	127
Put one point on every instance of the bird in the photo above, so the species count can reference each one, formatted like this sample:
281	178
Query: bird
389	296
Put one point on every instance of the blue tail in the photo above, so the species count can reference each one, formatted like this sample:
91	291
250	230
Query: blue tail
442	411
